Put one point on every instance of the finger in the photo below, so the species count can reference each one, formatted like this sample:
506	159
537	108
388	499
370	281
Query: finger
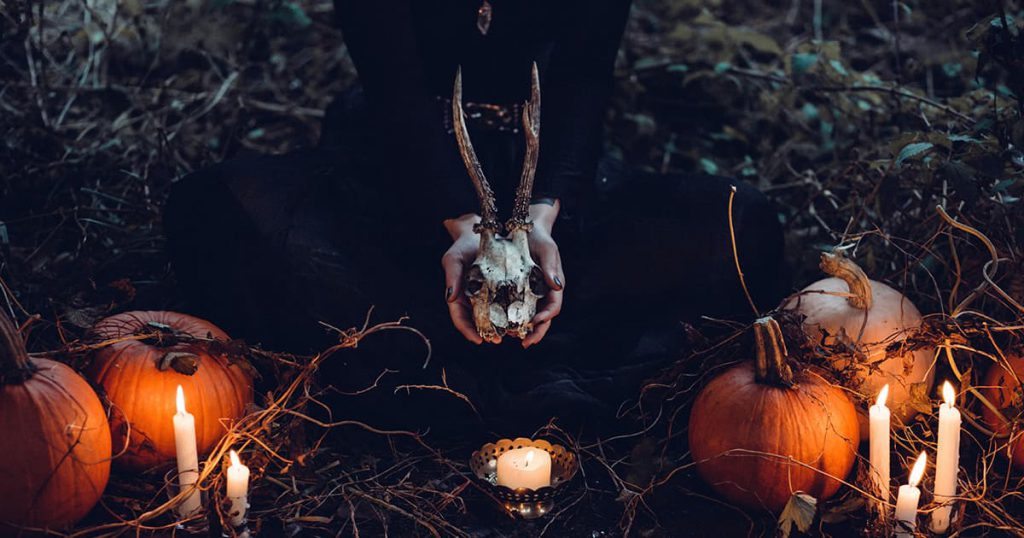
462	318
551	265
452	276
537	334
552	307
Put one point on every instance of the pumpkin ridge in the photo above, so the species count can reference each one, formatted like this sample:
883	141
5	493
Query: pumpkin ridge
795	436
82	412
223	376
58	455
215	392
42	413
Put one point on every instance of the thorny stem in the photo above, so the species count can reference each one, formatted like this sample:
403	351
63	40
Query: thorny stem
770	353
845	269
15	366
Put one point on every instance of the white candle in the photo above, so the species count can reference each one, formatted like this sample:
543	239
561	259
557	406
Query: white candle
906	501
188	456
528	468
947	461
880	444
238	491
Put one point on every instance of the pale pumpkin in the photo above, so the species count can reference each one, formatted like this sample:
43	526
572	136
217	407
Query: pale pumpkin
55	456
760	432
837	305
1002	388
140	378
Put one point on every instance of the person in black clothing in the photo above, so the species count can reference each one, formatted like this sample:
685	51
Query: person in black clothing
267	246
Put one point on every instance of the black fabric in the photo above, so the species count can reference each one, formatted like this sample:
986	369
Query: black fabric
407	53
267	246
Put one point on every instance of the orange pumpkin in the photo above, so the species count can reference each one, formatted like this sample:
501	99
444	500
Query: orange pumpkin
1002	388
759	433
849	302
56	440
141	377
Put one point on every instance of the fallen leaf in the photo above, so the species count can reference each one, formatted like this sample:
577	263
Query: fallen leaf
798	514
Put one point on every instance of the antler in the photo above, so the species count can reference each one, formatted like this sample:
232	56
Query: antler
531	127
488	209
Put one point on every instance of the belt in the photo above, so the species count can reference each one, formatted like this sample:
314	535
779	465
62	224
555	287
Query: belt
485	116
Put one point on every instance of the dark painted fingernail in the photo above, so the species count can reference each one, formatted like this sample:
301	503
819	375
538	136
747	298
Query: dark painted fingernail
448	293
558	282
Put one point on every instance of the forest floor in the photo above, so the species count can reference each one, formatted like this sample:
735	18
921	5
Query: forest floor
858	118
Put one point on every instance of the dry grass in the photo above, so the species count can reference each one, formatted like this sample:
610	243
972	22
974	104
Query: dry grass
105	103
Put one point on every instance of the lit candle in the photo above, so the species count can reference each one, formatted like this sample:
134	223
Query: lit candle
528	468
188	456
906	501
879	441
238	491
947	461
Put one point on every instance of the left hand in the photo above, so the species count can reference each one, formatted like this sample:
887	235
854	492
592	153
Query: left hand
545	253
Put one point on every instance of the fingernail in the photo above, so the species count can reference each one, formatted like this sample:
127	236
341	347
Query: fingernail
558	282
448	293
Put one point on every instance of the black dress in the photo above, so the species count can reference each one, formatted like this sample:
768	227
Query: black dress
267	246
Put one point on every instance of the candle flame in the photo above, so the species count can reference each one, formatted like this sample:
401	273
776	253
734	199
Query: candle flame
529	458
181	400
948	394
235	462
917	473
883	395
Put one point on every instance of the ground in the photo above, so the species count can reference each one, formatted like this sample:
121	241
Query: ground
858	118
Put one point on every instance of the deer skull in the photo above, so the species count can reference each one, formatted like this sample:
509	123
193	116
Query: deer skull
504	283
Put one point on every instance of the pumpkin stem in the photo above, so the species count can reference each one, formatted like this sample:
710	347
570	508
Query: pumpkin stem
182	362
770	353
845	269
15	366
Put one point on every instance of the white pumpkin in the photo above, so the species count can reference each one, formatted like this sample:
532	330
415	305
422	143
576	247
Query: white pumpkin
838	304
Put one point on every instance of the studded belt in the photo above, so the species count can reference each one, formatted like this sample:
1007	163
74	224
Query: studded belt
486	116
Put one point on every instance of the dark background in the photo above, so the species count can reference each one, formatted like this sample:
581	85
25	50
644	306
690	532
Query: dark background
858	117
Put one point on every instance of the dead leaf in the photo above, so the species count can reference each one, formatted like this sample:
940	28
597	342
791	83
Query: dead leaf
798	514
919	398
837	513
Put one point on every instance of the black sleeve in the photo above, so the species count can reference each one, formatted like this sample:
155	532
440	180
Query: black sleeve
381	39
575	97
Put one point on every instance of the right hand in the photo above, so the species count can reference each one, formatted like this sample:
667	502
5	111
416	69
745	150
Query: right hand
462	253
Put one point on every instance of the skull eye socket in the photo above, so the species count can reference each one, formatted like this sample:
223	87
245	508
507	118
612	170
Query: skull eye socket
474	280
537	283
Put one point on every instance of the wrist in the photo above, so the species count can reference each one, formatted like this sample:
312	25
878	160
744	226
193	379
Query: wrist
544	214
461	225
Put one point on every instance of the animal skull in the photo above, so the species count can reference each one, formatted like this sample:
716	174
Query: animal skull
504	283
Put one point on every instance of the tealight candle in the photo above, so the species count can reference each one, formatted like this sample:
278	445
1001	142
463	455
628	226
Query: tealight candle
906	501
947	461
880	444
238	491
528	468
188	457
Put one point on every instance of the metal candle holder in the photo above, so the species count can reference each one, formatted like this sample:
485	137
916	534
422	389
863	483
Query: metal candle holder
523	502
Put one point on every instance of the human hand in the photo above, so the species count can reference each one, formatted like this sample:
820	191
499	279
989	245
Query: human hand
545	254
465	244
543	250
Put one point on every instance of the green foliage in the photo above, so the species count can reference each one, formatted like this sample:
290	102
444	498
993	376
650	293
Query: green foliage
911	151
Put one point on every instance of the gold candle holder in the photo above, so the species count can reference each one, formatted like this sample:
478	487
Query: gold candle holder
522	502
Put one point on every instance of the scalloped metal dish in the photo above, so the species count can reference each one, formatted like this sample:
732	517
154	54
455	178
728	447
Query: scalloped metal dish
523	502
